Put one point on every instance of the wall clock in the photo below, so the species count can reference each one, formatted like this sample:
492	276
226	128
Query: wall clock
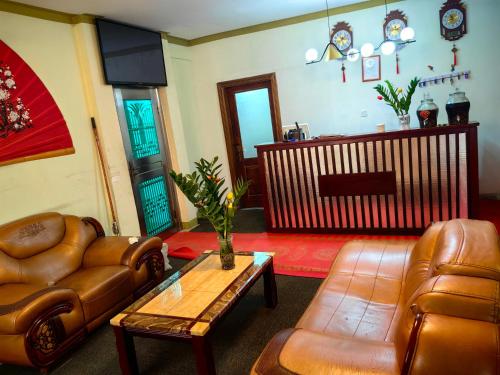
341	36
453	20
394	23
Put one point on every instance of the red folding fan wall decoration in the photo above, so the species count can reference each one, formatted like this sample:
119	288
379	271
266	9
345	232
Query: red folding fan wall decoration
31	124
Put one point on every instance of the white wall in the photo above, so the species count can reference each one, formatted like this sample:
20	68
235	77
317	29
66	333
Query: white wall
316	94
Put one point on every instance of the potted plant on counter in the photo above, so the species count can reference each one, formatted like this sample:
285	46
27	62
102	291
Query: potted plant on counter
399	100
205	190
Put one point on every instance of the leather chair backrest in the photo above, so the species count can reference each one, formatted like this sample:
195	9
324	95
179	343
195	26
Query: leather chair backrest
43	249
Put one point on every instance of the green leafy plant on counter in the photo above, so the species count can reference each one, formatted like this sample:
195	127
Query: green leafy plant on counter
205	190
399	100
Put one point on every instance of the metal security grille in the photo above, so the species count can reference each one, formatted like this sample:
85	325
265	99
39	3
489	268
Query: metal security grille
141	127
155	205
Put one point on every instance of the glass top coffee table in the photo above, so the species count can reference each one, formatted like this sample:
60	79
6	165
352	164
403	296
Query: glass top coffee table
188	304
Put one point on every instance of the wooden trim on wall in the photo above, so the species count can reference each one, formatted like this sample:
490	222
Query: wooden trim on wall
226	121
35	12
290	21
69	18
43	155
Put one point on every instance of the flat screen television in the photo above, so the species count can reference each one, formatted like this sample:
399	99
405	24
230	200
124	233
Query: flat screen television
131	55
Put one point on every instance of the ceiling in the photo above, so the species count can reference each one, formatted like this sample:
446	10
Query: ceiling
191	19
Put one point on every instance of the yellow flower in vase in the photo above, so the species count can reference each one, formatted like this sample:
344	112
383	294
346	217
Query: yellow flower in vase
230	196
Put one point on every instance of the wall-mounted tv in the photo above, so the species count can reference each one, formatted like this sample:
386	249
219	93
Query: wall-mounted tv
131	55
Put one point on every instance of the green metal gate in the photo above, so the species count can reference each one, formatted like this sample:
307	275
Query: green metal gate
148	162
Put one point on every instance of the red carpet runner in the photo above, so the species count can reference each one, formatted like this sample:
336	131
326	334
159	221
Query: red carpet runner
309	255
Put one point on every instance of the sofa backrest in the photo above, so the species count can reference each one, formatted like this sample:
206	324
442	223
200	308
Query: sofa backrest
418	269
43	248
468	248
31	235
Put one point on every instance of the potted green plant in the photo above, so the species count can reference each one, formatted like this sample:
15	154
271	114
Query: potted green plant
205	190
399	100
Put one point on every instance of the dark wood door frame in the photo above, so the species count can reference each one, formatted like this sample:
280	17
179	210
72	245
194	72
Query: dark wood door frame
224	88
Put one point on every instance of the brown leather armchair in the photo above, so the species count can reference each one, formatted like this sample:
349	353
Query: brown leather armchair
60	278
391	307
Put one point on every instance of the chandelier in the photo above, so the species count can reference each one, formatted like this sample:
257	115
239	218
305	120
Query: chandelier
332	52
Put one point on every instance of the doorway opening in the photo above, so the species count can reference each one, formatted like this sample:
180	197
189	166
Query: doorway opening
250	116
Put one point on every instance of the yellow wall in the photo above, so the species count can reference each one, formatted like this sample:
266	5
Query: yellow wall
68	184
66	58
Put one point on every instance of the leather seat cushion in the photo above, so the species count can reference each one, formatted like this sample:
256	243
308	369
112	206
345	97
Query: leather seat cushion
361	295
99	288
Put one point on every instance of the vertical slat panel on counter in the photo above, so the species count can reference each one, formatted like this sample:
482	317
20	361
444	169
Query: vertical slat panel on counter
435	171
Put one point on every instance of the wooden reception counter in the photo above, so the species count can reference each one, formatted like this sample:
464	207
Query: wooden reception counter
397	182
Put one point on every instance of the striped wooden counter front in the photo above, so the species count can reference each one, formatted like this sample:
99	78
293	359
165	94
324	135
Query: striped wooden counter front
398	181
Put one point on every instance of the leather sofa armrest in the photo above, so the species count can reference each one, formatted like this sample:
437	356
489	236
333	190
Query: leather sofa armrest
300	351
460	296
28	303
112	251
450	345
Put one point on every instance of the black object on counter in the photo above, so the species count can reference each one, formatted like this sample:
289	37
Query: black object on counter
295	134
458	107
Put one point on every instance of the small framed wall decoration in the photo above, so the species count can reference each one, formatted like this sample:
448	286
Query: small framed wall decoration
370	67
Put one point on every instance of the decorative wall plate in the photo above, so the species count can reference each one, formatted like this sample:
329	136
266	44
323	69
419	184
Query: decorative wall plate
31	124
394	23
453	20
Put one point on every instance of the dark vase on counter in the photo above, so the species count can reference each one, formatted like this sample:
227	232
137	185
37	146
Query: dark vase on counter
458	107
427	112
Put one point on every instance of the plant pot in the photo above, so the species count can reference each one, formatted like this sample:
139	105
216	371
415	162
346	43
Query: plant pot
404	122
226	252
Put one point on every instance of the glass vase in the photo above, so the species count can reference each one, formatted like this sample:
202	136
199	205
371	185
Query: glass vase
427	112
457	108
404	122
226	252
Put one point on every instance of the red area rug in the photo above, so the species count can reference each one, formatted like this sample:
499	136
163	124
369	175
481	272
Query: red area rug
307	255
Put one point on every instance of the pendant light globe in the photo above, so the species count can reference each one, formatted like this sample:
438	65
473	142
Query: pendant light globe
407	34
388	48
311	54
367	50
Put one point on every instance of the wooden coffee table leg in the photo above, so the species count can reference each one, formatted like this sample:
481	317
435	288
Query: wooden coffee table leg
203	353
270	292
126	351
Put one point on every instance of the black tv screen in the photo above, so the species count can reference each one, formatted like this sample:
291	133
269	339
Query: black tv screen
131	55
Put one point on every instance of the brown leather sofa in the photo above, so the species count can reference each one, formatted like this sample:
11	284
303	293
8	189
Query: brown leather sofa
421	308
60	278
